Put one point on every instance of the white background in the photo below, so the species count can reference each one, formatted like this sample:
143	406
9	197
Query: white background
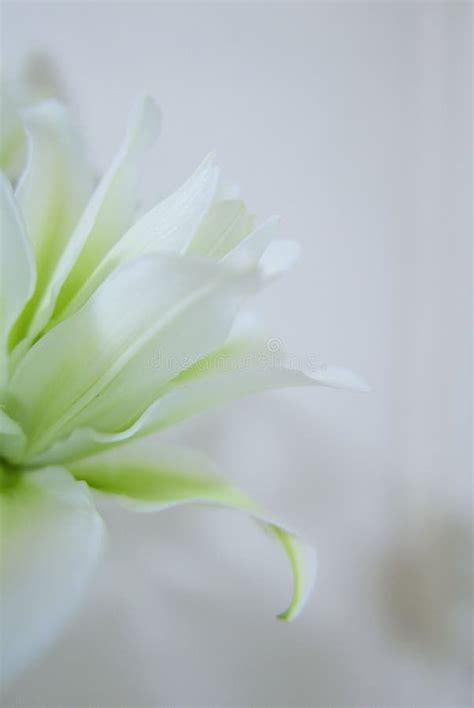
352	121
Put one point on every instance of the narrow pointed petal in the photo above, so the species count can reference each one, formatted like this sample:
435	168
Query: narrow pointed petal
107	215
167	227
149	480
244	365
17	270
56	182
104	365
50	541
111	209
51	194
241	367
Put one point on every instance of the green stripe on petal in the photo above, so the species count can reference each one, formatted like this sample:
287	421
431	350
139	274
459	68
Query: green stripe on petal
106	364
108	213
51	195
17	270
242	366
302	559
112	207
50	541
166	227
144	479
56	182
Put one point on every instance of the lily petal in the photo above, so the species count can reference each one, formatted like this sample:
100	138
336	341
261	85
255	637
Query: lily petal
17	270
104	365
51	195
107	215
111	209
56	182
149	480
167	227
50	541
244	365
241	367
226	223
274	257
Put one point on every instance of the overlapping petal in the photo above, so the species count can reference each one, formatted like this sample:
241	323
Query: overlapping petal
17	271
225	224
169	226
150	319
110	211
107	215
51	195
146	479
50	541
244	365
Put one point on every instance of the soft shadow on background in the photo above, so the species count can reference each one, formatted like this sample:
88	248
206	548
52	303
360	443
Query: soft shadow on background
352	121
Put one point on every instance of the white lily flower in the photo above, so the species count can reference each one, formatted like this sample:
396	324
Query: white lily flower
112	329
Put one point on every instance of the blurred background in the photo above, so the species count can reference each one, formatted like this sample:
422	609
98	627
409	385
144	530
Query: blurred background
353	122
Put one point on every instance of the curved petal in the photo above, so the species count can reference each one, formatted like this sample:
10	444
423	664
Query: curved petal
106	216
167	227
56	182
51	194
244	365
274	257
50	541
111	209
149	480
17	270
105	364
